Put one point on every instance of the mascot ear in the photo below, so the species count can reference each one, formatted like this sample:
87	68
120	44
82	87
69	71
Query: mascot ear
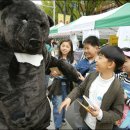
50	21
4	3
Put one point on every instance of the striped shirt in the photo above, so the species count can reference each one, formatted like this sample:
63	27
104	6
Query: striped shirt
125	82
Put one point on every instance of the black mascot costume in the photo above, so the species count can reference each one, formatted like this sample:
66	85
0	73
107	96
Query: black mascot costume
24	60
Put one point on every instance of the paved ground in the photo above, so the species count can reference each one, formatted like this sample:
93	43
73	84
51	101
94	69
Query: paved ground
64	127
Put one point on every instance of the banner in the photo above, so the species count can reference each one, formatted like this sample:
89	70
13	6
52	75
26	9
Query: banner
123	34
113	40
60	18
67	19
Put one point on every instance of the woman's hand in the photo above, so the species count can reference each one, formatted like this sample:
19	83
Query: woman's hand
65	104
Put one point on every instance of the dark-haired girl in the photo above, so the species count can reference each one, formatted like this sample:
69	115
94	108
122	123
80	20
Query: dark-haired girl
62	88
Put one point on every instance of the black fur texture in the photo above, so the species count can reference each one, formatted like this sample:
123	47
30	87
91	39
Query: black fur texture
23	102
23	26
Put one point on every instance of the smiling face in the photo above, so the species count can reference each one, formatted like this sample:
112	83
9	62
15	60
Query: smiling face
90	51
65	48
24	27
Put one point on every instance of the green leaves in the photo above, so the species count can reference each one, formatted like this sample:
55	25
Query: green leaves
78	8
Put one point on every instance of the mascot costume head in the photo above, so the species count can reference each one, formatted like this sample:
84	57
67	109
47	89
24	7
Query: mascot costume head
24	28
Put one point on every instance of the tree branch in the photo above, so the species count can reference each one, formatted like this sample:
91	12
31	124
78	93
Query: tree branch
60	7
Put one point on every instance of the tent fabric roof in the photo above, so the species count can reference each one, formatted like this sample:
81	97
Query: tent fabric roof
85	22
54	29
106	22
120	18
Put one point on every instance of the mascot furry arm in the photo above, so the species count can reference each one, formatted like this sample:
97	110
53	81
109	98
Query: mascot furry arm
64	67
23	30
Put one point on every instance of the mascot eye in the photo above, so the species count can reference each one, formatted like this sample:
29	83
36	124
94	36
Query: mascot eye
24	21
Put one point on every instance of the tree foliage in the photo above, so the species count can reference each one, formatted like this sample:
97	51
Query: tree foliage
77	8
121	2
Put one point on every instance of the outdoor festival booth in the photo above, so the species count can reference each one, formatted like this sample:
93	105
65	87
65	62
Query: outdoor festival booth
106	23
54	29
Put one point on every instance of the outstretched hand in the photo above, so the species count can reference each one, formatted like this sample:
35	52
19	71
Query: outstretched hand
65	103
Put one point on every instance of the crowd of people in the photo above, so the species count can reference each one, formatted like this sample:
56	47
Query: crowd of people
104	77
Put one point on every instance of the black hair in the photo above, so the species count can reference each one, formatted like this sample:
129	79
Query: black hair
115	54
92	40
70	56
48	41
126	49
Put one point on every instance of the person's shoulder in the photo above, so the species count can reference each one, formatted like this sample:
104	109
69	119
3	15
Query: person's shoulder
93	74
117	86
83	61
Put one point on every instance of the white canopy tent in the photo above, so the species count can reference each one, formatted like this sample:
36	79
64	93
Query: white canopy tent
85	23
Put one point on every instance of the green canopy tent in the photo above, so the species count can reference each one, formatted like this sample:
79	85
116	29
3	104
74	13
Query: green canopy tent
54	29
119	18
107	23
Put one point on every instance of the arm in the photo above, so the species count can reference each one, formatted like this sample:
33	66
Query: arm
78	91
67	69
75	93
